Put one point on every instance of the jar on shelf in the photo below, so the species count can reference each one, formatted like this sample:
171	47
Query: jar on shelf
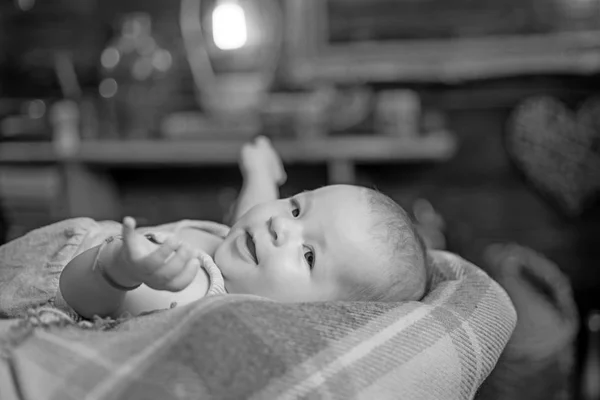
136	85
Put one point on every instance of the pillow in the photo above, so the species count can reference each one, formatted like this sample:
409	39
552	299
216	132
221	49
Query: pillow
539	361
238	346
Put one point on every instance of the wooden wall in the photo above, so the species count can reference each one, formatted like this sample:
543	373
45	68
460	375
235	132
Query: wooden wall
486	199
392	19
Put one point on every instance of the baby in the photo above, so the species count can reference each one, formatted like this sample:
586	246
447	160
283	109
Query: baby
339	242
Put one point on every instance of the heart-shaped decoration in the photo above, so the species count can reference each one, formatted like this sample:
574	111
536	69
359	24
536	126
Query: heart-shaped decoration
558	150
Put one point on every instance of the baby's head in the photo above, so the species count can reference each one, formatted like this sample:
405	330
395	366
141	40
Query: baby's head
338	242
402	254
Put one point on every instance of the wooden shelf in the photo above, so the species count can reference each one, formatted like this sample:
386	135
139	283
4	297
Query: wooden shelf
92	192
357	148
27	152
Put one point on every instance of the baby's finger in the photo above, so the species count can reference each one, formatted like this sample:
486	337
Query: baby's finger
178	260
173	267
134	243
128	229
160	256
185	277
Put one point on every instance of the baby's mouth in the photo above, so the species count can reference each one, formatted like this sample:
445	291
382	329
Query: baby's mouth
251	247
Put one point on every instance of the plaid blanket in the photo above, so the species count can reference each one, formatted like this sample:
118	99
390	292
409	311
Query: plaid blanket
237	347
246	347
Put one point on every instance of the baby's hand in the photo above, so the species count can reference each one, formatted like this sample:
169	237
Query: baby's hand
170	266
260	158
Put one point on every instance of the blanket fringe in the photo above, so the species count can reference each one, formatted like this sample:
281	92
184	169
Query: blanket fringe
46	317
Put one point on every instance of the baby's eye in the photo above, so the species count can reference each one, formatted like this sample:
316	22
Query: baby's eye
309	256
295	208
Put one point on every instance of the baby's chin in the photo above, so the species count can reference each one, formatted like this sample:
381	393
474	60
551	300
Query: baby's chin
224	259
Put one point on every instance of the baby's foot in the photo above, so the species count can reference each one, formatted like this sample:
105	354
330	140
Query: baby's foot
259	157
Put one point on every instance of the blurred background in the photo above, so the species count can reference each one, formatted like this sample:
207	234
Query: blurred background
479	117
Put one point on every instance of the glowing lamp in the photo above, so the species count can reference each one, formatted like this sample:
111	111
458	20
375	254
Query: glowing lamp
233	48
230	31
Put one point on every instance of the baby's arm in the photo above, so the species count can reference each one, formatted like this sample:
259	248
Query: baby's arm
97	281
263	173
84	288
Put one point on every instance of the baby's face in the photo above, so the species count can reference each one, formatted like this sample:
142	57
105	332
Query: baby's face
304	248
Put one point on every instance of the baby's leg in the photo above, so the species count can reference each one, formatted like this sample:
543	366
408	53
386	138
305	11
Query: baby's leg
263	173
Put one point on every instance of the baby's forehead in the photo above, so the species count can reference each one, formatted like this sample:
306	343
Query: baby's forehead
344	215
338	197
339	190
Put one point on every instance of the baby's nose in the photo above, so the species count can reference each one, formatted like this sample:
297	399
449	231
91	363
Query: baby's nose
282	229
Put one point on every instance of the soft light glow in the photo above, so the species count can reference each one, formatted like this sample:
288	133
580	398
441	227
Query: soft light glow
108	88
230	31
25	5
162	60
36	109
110	58
142	69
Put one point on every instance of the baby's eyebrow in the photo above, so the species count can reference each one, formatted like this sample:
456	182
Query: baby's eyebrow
307	200
319	236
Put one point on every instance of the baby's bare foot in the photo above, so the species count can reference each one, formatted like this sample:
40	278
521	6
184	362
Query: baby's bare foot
260	157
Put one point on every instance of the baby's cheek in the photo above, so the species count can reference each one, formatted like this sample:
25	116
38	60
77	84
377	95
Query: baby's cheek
224	259
218	256
282	274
